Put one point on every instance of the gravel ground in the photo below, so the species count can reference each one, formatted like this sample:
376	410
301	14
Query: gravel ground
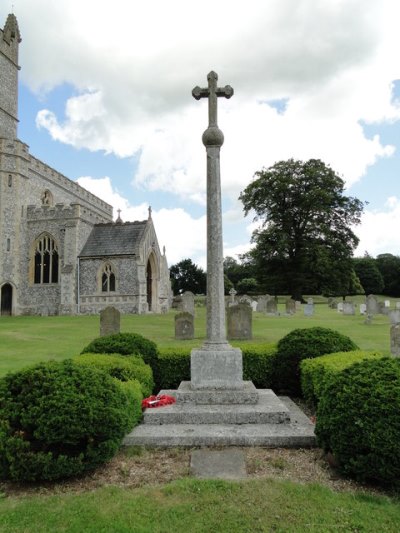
137	467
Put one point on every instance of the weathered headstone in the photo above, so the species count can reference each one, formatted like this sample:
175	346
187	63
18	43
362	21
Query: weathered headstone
262	303
372	305
110	321
397	305
348	308
187	305
297	305
240	318
394	316
271	307
387	303
395	340
254	305
363	309
309	309
232	294
290	306
184	326
333	304
310	300
340	307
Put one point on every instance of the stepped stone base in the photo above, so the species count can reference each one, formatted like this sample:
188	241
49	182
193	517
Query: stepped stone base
216	425
185	393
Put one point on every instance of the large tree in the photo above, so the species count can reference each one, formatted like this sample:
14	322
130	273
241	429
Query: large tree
305	241
389	267
186	276
369	275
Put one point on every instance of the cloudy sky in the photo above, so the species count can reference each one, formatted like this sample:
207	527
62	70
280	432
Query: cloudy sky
105	98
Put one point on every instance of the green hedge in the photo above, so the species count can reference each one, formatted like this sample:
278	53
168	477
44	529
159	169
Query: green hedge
258	365
133	391
302	344
121	367
58	419
358	420
317	373
125	344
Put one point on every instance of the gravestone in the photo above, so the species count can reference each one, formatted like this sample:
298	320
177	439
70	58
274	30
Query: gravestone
187	302
297	305
110	321
333	304
387	303
394	316
232	294
184	326
290	306
310	301
372	305
309	309
340	307
395	340
397	305
244	299
383	310
348	308
254	305
262	303
271	308
240	318
363	309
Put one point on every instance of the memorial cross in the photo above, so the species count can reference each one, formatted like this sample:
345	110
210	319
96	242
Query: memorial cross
212	92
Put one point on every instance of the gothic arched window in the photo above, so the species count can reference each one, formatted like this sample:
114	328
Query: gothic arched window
46	260
107	279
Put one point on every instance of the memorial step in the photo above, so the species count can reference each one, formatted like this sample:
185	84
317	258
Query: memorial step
299	432
269	410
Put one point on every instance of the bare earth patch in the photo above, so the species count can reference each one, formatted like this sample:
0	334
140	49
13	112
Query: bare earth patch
137	467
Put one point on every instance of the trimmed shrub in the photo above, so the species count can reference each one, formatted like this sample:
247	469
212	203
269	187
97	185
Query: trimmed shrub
125	344
317	373
133	391
173	367
301	344
358	420
120	367
259	364
58	419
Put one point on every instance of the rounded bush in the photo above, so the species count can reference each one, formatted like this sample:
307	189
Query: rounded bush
301	344
120	367
125	344
58	419
358	420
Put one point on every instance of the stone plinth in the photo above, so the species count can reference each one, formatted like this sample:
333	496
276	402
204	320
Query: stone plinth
216	366
247	394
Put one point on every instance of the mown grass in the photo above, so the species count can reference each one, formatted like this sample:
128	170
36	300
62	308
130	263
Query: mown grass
27	340
203	506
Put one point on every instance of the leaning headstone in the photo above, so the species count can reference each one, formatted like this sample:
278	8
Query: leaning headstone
348	308
240	318
271	308
340	307
187	305
395	340
184	326
290	306
372	305
110	321
363	309
309	309
394	316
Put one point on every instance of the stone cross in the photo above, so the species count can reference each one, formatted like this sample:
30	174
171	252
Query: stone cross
233	293
216	365
213	139
212	92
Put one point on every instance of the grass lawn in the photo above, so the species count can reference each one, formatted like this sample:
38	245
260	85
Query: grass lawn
189	505
26	340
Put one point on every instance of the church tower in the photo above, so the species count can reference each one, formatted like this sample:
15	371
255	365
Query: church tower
9	44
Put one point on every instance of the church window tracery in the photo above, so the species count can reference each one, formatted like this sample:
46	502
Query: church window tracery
107	279
45	260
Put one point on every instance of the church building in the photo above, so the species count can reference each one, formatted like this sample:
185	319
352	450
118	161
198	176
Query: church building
60	251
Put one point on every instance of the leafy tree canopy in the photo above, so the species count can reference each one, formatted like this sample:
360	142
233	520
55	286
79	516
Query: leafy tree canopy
389	267
305	240
186	276
370	277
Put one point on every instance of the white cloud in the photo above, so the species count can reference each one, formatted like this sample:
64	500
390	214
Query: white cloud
379	230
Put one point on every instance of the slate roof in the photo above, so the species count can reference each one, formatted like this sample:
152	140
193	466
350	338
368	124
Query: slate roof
114	239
